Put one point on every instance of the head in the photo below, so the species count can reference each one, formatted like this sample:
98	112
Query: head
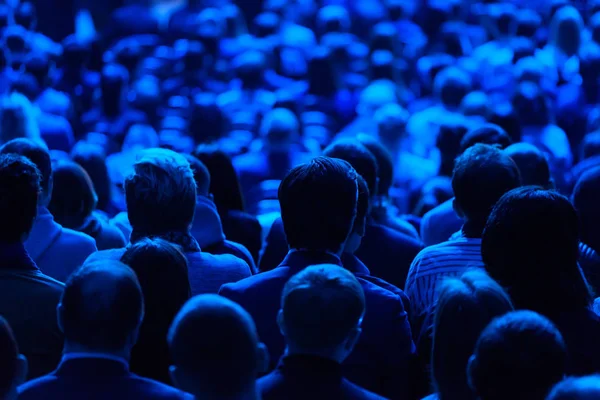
93	160
475	104
73	197
466	305
318	204
322	308
449	143
391	120
489	134
101	309
434	192
518	356
532	164
385	164
12	364
140	137
224	182
374	97
333	18
531	105
451	85
161	193
280	128
590	145
584	388
359	157
201	175
360	222
39	156
215	349
162	270
531	246
505	116
114	81
566	30
17	119
584	198
250	67
321	75
482	174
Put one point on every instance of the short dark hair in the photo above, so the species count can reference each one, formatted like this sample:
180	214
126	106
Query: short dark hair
19	191
102	305
73	196
359	157
161	193
385	163
518	356
487	134
449	143
10	354
532	165
362	206
36	153
581	388
531	247
452	85
482	174
531	104
214	340
466	305
321	305
92	158
318	204
201	174
585	199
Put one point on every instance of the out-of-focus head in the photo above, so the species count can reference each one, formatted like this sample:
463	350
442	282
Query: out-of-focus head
449	143
566	30
162	270
482	174
249	67
224	183
201	175
73	196
375	96
466	305
12	364
215	349
531	247
532	164
385	164
318	204
489	134
37	154
435	192
322	309
585	199
505	116
101	308
161	193
518	356
321	75
451	85
266	24
359	157
333	18
140	137
475	104
280	127
19	192
391	120
590	145
529	69
528	23
17	119
584	388
531	105
92	158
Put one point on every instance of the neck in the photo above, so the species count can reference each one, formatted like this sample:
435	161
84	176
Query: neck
473	229
71	347
250	394
333	355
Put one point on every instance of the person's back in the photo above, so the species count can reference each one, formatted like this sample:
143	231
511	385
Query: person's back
100	314
215	350
28	298
12	364
481	176
322	308
161	201
518	356
583	388
56	250
318	203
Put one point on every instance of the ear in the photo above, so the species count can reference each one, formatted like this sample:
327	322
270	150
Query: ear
352	338
281	322
457	208
22	370
60	317
262	358
173	373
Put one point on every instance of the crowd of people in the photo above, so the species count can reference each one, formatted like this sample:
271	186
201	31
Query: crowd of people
300	199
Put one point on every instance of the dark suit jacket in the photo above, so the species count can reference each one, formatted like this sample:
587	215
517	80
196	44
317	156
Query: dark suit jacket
308	377
244	229
28	301
381	359
96	378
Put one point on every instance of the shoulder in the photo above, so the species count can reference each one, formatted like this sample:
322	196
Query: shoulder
224	262
78	238
381	232
353	391
254	284
34	388
157	390
114	254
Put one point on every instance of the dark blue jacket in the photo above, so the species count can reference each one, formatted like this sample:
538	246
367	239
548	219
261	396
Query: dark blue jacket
308	377
381	358
97	378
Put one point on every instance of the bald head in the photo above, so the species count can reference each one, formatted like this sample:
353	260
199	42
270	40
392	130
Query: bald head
531	163
214	347
102	307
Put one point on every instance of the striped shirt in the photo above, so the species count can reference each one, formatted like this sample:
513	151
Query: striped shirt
435	263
